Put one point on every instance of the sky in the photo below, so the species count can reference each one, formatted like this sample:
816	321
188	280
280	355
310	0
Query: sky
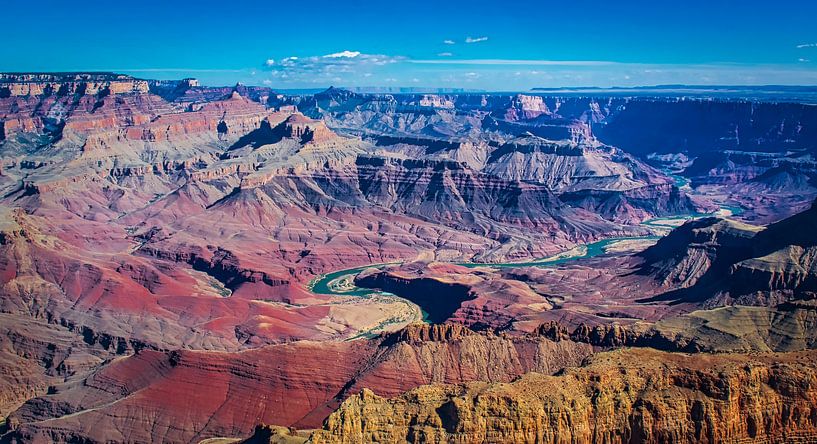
474	44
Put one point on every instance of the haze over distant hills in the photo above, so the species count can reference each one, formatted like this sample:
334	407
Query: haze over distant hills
803	94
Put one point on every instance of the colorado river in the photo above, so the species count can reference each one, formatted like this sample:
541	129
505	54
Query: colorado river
341	282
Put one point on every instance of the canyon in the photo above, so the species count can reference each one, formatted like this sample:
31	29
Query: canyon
186	263
623	396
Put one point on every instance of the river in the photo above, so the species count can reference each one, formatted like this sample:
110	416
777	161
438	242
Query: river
341	282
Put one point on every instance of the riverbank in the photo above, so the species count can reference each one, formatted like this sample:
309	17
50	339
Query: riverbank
341	282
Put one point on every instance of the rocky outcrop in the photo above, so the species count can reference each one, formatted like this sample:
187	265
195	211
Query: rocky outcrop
617	397
39	84
304	129
270	434
717	262
687	253
736	329
616	335
439	298
419	333
525	107
437	101
227	394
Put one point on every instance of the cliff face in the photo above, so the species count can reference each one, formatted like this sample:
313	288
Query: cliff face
13	85
223	120
721	142
688	252
35	355
717	262
138	398
443	190
719	124
593	176
742	329
617	397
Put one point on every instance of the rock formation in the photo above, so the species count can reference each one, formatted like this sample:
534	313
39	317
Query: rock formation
725	262
138	398
37	84
617	397
722	142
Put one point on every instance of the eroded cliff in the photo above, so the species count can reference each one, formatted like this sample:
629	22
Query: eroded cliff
617	397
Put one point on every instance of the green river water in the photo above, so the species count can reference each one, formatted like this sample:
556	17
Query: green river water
322	284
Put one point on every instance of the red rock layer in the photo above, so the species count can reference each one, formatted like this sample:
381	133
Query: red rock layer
231	118
139	398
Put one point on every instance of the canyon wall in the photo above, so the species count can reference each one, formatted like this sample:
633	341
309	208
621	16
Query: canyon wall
617	397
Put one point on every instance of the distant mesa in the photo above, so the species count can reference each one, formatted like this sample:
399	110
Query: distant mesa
38	84
300	127
297	127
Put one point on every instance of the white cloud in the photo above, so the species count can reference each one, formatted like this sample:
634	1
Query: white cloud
807	45
343	54
269	62
449	42
476	39
445	54
287	61
340	67
802	60
471	77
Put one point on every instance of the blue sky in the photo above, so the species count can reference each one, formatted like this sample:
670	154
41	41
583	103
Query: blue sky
496	45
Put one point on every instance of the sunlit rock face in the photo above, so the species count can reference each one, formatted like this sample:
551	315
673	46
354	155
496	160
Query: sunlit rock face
716	398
